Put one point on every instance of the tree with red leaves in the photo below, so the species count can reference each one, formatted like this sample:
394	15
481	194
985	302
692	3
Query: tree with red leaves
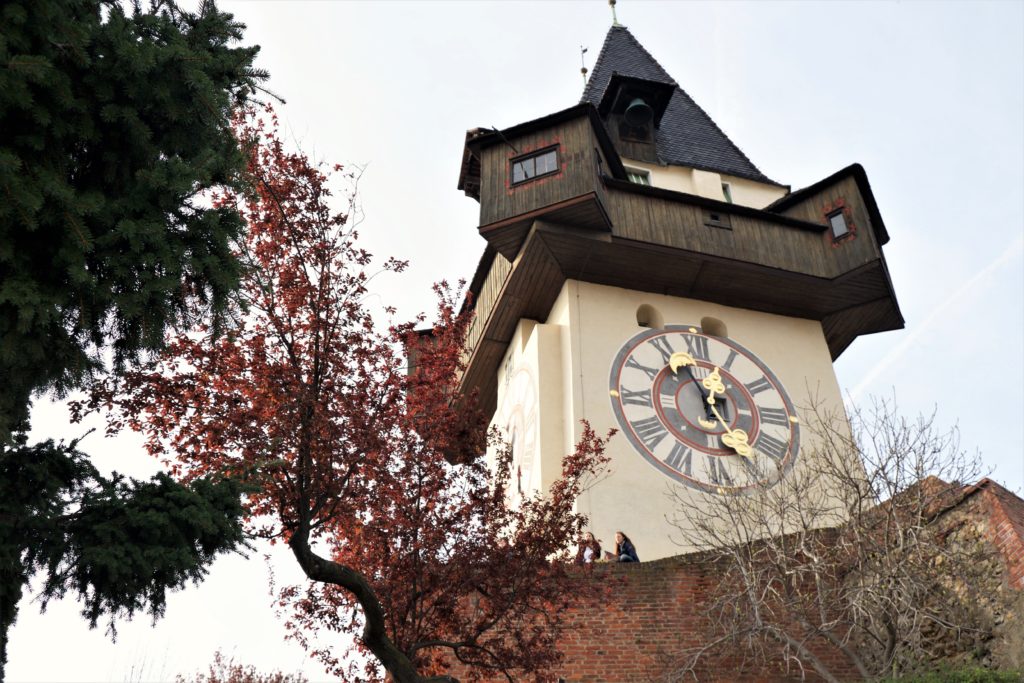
371	473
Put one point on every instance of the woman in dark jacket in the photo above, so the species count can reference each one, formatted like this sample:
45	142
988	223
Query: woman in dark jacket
624	548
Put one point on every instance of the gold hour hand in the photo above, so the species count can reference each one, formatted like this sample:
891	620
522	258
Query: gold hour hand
681	359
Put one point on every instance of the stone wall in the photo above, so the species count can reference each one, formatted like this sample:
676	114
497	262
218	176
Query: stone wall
992	515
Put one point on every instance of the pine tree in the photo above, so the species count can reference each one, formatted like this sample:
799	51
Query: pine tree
118	544
114	123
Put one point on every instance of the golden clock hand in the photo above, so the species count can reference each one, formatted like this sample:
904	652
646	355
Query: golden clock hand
713	383
735	439
681	359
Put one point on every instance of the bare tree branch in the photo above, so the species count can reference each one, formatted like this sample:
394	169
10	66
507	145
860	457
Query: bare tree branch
850	554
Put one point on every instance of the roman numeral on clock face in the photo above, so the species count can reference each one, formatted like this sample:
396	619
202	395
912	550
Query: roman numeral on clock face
718	473
651	373
680	459
636	398
774	416
668	422
770	446
758	385
753	471
667	399
650	431
664	348
697	346
699	372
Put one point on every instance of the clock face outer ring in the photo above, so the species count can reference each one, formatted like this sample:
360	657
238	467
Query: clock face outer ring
623	355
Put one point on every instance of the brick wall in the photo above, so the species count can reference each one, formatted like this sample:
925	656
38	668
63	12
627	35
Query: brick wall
655	613
652	613
1006	515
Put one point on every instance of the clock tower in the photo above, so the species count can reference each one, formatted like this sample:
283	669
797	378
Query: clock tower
641	273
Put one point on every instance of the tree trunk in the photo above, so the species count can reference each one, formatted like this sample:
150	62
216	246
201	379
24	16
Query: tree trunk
316	568
12	582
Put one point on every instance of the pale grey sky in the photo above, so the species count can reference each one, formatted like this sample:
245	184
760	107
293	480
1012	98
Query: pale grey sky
929	97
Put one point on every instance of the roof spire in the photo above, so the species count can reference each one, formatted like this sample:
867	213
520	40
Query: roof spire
686	134
583	65
615	19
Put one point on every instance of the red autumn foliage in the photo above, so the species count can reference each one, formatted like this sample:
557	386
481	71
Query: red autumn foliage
227	670
351	455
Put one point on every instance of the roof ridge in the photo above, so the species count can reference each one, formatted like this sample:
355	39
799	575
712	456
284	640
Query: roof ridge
590	85
687	136
597	65
699	108
725	135
649	55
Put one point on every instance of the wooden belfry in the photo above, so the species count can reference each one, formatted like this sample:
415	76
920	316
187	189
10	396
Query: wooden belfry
629	229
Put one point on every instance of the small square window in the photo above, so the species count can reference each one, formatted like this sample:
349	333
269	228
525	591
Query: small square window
837	221
638	176
546	163
717	219
534	166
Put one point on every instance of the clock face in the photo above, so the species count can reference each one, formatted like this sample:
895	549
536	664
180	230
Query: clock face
660	384
517	416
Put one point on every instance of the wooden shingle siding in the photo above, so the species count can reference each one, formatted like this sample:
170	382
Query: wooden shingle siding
860	247
486	299
679	225
499	199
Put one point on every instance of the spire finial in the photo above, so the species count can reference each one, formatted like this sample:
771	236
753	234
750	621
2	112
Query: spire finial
583	65
615	19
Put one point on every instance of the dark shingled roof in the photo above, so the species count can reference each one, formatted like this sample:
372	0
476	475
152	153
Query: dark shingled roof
687	136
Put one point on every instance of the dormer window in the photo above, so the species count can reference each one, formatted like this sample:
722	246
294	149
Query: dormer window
534	165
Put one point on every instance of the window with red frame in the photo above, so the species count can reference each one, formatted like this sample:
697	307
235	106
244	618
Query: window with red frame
534	165
837	221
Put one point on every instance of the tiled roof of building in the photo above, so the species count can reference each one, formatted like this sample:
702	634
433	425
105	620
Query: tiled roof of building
687	136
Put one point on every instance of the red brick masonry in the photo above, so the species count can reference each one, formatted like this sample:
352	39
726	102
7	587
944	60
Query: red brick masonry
653	611
652	616
1006	525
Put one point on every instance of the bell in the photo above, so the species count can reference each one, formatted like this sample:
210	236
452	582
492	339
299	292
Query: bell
639	113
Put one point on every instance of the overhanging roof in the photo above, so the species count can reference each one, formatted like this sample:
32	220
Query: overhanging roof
686	136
